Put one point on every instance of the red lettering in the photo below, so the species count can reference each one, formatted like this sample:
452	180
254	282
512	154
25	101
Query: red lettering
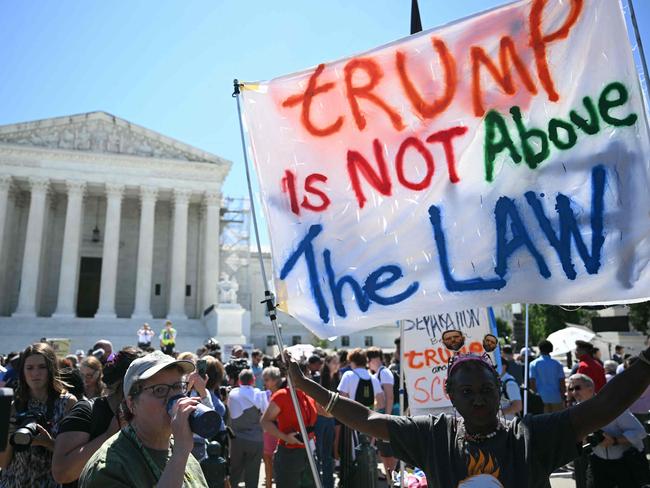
410	356
507	54
476	348
310	188
430	110
380	182
310	92
437	389
289	185
375	74
419	389
430	356
426	155
539	40
445	137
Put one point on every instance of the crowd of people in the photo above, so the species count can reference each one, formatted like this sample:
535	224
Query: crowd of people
123	418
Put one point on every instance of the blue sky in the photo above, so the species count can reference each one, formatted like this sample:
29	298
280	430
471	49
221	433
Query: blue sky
168	65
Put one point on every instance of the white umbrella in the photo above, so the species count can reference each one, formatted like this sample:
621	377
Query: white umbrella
301	351
564	340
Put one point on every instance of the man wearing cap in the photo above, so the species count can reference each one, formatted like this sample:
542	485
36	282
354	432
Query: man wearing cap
589	366
154	449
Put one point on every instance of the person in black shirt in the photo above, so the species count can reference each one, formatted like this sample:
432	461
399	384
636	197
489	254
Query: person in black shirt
91	422
476	448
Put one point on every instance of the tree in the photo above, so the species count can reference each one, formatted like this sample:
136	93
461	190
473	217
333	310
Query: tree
503	328
546	319
640	316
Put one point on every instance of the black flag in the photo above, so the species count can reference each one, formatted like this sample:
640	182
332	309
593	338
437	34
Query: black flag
416	23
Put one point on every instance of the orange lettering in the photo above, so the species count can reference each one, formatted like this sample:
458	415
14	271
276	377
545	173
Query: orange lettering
538	41
375	74
507	54
430	110
310	92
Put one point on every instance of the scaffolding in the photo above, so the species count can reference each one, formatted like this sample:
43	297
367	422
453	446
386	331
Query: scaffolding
235	245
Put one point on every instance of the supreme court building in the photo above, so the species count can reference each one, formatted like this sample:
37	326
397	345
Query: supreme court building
104	219
105	224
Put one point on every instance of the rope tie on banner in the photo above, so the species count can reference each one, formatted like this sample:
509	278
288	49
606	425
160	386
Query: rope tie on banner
269	299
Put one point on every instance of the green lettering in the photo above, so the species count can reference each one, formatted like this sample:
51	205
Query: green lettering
571	136
591	126
531	157
495	123
605	105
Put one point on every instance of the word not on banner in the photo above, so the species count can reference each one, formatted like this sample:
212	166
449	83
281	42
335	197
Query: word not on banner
502	158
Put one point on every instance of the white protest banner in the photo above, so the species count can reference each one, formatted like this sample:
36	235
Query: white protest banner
425	357
499	159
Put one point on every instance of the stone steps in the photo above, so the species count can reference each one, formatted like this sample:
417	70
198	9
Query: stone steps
17	333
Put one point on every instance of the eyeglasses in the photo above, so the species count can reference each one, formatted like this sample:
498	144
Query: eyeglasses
162	390
575	388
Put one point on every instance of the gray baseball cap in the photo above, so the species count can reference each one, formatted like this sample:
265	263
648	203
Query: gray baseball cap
145	367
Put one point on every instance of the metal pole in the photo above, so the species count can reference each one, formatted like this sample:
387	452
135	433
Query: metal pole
526	365
402	465
268	296
644	64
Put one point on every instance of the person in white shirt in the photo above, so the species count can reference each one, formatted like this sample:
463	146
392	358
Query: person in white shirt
360	386
386	381
145	334
246	404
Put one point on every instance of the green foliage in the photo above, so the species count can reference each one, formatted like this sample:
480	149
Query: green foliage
320	343
503	328
640	316
546	319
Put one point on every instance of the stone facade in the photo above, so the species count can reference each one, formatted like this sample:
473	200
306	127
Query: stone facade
74	189
93	191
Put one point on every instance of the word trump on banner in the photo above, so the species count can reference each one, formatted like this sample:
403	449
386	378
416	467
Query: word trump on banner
425	357
502	158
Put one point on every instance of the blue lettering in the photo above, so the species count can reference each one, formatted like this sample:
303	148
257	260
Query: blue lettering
373	284
569	226
505	210
305	247
450	282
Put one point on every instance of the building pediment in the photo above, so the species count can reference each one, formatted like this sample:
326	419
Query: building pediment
100	132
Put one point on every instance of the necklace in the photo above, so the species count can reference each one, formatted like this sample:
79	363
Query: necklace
478	437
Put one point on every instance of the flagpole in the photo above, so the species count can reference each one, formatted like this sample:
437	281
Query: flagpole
416	26
526	364
268	296
402	466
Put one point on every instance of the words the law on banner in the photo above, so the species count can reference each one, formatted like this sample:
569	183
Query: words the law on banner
425	357
498	159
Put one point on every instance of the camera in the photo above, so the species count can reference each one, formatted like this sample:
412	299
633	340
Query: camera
234	367
212	345
593	440
204	421
27	423
6	399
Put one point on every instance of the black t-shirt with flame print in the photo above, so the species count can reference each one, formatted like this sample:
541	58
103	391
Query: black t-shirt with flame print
523	454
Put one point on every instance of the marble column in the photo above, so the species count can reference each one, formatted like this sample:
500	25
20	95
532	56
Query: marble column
108	283
65	307
5	186
33	247
209	297
179	256
142	309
